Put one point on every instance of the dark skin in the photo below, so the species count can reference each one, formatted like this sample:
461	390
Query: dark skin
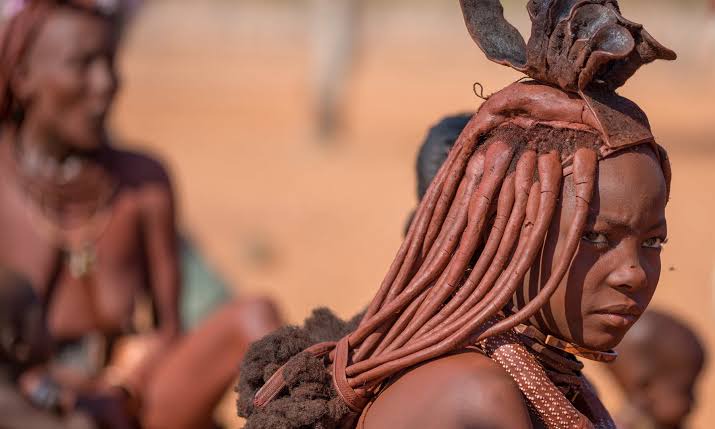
24	340
469	390
616	269
660	361
66	85
30	348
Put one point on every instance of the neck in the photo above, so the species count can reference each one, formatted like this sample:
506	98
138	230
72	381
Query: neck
32	137
565	346
40	153
41	143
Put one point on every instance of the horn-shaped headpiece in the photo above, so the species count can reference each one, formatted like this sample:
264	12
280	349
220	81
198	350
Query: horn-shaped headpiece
581	46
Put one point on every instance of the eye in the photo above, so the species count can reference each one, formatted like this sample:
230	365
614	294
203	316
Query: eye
79	61
655	243
76	63
597	238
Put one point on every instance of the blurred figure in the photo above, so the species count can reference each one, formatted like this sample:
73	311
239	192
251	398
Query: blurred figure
335	34
659	363
707	50
433	152
93	226
29	399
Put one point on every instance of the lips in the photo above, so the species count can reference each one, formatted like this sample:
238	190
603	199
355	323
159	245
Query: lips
620	315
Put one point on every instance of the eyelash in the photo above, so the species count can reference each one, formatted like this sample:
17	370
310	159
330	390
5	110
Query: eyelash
597	239
600	240
660	242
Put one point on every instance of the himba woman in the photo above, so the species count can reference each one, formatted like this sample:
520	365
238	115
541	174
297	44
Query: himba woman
538	241
92	227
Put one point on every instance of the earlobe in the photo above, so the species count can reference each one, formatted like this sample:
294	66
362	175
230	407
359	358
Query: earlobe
21	84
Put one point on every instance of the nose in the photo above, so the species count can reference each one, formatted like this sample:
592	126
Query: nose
629	273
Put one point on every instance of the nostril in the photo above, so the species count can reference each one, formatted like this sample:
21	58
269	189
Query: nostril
625	287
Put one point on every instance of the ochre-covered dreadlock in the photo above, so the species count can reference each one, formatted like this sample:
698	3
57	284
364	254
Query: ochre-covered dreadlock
484	218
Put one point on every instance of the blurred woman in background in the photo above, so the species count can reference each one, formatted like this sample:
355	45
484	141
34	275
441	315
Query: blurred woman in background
335	34
93	226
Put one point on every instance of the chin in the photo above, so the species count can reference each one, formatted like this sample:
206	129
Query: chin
604	332
603	340
85	135
88	141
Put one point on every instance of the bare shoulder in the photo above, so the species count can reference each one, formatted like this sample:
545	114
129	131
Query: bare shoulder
138	169
466	390
147	178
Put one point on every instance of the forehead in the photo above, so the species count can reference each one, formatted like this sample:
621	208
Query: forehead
631	189
68	30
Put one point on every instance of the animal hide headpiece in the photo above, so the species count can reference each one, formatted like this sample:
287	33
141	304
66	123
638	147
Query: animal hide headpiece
581	46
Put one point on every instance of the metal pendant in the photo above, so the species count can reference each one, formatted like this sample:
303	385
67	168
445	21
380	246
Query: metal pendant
81	261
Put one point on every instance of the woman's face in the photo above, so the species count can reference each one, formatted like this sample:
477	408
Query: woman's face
616	268
68	80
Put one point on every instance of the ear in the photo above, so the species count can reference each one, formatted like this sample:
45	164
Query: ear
21	83
499	40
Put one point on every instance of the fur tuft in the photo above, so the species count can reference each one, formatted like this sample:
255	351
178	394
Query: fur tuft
310	401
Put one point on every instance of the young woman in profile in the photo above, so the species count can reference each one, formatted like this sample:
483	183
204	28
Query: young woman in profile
538	242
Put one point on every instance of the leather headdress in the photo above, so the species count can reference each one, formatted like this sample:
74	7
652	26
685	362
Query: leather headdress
582	46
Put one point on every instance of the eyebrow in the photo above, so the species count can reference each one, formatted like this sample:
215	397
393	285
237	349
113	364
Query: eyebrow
662	223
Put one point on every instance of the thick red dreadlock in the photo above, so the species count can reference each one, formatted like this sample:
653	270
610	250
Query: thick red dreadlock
484	219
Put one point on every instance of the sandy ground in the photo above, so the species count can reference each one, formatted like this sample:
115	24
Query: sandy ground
221	91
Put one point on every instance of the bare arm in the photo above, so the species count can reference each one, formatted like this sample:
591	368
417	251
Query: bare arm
162	253
158	223
456	392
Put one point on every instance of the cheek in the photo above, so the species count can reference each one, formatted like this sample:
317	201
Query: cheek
564	313
591	268
651	263
555	315
62	92
68	111
576	293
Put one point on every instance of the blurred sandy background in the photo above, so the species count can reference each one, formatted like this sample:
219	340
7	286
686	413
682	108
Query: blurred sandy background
221	91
